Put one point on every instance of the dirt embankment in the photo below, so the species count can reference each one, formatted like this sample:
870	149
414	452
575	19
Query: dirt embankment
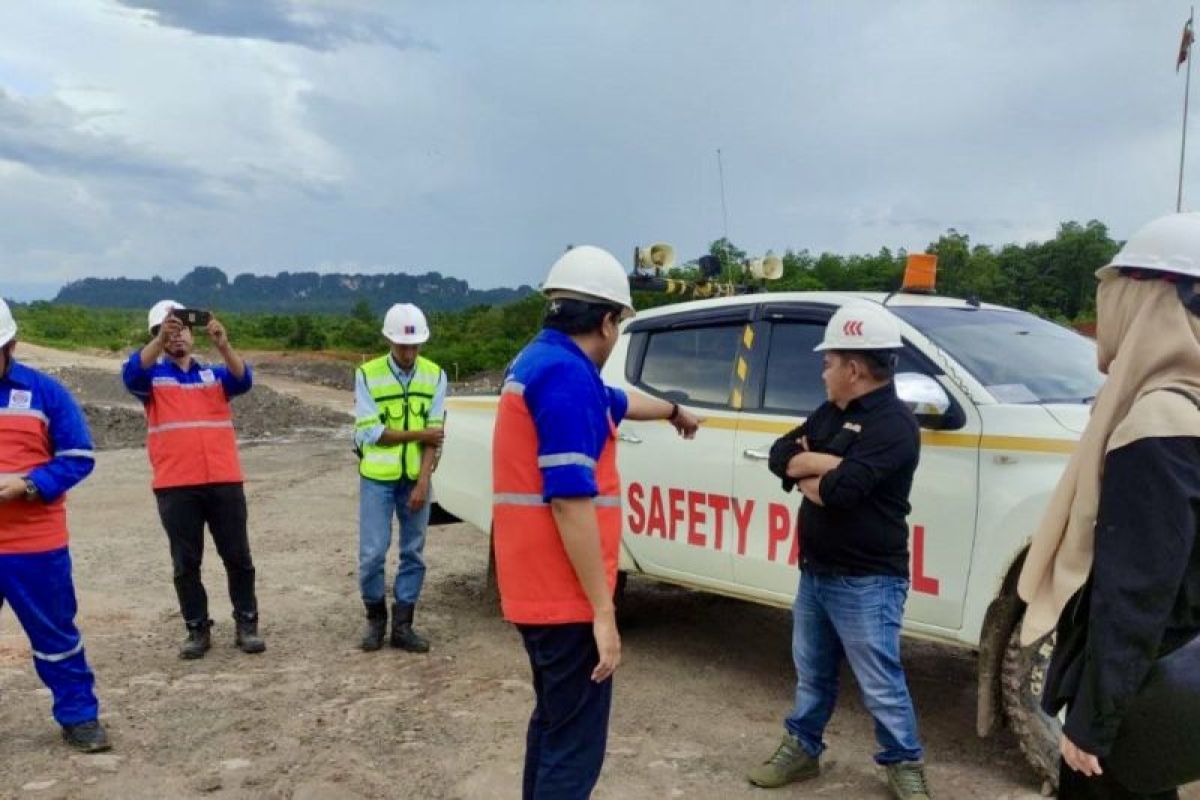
116	419
276	409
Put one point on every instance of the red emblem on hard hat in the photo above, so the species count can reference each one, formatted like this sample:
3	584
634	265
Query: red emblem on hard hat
852	327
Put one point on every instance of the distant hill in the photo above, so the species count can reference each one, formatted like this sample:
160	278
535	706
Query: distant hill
287	292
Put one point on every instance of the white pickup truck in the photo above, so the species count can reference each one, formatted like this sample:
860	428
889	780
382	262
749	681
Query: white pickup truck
1002	396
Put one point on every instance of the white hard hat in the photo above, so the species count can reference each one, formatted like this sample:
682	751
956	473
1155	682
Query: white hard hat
861	326
590	273
1168	244
159	312
8	325
405	324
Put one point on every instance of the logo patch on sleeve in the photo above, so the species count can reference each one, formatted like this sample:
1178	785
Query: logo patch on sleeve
20	398
207	376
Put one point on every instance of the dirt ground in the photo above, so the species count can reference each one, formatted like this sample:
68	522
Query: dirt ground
699	697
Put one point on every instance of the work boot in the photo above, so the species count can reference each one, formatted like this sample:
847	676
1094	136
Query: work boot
907	780
376	628
403	635
789	763
198	642
86	737
247	639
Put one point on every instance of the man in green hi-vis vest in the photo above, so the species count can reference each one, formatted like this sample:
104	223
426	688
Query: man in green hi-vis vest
399	405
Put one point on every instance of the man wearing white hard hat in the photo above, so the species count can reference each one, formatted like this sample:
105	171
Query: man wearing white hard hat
198	477
853	460
45	450
399	408
557	515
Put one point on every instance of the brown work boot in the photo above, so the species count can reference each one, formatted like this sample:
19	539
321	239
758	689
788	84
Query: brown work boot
907	780
788	764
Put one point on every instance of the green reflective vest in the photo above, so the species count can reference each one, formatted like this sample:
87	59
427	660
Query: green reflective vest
399	409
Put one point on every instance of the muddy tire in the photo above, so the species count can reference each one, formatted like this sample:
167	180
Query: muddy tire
1021	680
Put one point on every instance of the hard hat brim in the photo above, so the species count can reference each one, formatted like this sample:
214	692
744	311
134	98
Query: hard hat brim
825	346
407	339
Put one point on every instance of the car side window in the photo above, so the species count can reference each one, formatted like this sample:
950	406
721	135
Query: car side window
693	365
792	382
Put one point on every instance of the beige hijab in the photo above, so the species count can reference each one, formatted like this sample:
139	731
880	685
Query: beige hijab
1147	341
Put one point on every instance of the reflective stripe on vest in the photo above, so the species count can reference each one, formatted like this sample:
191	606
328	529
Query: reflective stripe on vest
400	408
537	582
190	435
25	526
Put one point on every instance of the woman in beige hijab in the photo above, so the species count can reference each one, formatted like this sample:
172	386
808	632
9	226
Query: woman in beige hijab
1113	562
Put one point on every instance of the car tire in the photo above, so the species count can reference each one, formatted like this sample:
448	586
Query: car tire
619	606
491	584
1021	679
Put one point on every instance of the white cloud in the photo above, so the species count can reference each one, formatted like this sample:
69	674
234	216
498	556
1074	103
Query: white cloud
477	139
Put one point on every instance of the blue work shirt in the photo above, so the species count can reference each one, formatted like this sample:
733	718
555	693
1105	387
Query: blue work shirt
139	380
572	410
22	390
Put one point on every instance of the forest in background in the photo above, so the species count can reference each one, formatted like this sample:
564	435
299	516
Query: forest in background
1053	279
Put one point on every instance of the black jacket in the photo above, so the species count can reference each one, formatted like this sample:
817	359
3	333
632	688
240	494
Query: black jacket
1142	599
862	527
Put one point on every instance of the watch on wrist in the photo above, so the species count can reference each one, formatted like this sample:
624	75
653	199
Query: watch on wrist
31	490
674	412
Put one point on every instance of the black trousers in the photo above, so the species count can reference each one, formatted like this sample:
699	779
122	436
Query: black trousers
565	742
1073	785
185	511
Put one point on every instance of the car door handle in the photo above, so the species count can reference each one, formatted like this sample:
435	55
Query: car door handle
628	437
756	455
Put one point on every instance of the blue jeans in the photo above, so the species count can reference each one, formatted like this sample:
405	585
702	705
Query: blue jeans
568	731
39	589
378	501
858	617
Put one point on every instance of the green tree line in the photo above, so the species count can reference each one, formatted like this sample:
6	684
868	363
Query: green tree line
1053	279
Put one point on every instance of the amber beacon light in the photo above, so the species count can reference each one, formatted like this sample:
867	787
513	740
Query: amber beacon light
920	274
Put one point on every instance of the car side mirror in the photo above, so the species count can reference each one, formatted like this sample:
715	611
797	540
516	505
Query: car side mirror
927	399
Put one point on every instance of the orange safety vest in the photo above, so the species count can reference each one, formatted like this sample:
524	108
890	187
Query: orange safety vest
537	582
24	446
190	436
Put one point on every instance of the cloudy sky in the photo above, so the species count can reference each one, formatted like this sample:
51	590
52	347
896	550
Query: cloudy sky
477	139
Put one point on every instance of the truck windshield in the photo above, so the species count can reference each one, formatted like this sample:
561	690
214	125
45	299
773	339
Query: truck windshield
1019	357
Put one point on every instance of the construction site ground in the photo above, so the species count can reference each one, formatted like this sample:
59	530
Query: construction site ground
699	698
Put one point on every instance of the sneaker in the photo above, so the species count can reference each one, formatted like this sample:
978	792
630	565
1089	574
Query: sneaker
788	764
86	737
907	780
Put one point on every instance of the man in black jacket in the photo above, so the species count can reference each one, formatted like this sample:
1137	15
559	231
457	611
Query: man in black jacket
853	460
